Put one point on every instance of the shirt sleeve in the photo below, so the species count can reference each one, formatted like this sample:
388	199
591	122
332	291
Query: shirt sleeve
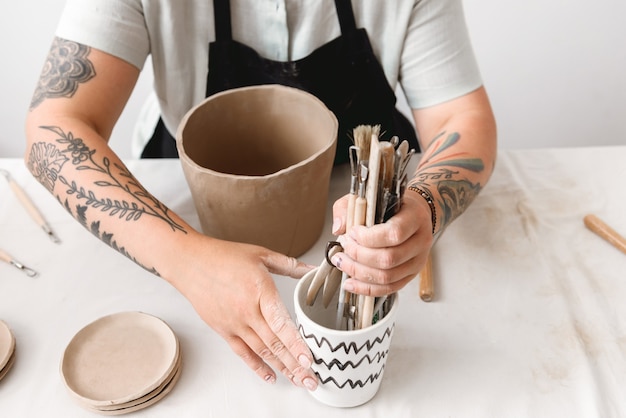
438	62
116	27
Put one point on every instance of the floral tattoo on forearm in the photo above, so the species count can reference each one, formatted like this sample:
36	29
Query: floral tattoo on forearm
66	66
443	174
46	160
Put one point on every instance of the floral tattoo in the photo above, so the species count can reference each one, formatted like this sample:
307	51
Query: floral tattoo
46	160
66	66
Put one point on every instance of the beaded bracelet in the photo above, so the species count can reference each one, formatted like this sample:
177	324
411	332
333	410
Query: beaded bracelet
431	203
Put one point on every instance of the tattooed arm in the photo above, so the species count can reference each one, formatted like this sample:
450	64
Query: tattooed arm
459	154
458	139
80	95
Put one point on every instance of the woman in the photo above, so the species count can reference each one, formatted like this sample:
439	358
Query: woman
350	55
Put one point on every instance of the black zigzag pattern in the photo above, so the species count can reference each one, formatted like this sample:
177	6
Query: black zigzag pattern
347	347
342	366
352	383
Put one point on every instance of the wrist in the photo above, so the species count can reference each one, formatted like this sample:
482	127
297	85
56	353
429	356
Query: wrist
428	197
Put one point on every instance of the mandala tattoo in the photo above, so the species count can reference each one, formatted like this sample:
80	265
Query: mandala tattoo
65	68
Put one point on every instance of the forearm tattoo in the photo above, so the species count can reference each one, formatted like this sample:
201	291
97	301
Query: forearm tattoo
66	66
443	173
46	160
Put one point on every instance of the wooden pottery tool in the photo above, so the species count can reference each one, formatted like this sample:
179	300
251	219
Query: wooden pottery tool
604	231
427	290
30	206
7	258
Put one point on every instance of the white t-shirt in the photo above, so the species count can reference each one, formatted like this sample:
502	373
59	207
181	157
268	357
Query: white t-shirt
421	44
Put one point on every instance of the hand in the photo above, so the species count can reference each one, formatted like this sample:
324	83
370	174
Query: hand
382	259
230	286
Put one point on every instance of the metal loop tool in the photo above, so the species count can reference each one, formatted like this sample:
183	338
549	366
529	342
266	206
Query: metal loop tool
12	261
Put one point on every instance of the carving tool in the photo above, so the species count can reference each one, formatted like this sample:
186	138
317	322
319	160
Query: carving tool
12	261
30	206
354	181
382	157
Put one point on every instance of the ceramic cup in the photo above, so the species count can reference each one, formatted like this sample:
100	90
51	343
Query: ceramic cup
258	162
349	364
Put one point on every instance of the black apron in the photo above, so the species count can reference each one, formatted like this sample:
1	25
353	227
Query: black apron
344	74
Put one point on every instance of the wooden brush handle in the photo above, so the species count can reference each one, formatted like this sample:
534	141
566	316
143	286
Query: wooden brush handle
360	211
427	291
350	212
367	311
596	225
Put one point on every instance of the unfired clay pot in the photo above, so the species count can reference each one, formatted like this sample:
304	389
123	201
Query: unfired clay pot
258	162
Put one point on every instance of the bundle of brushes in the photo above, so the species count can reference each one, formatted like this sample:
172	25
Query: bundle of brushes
378	182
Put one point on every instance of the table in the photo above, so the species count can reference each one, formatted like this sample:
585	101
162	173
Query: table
529	318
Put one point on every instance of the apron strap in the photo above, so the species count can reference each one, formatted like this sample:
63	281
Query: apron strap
221	20
346	16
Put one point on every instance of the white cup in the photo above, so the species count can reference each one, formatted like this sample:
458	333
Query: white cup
349	364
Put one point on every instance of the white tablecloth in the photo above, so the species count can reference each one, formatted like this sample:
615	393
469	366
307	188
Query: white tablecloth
529	318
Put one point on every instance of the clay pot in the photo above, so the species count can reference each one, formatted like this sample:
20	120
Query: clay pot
258	162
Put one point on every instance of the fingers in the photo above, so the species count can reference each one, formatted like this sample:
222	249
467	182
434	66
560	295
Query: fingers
255	361
283	265
340	209
374	281
281	337
383	258
372	289
271	342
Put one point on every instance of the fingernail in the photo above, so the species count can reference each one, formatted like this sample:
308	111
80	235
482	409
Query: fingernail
310	383
270	379
336	260
304	361
348	287
336	225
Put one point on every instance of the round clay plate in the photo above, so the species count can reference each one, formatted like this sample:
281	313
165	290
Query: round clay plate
119	358
7	344
7	367
142	403
148	398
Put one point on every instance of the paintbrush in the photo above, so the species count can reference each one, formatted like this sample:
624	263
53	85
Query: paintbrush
362	140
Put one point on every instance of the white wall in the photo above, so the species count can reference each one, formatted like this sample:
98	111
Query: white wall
555	70
26	31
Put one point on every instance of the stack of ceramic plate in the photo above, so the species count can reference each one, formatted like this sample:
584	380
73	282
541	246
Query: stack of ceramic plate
121	363
7	349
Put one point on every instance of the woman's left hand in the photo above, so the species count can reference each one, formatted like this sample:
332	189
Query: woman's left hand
383	258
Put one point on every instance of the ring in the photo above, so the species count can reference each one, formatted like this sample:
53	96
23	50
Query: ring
329	246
